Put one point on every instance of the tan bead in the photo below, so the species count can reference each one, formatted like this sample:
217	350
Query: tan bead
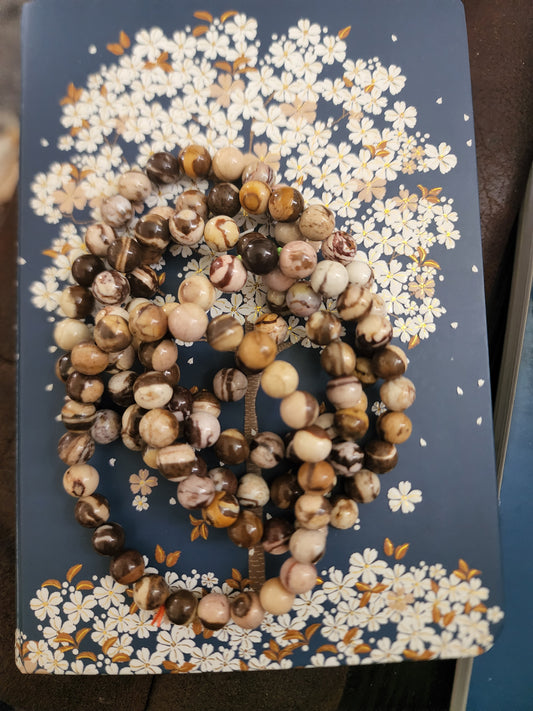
214	611
98	237
338	359
317	222
150	592
351	423
224	333
134	185
394	427
193	200
364	371
274	326
186	227
275	598
323	327
88	359
390	362
197	289
246	610
372	333
130	428
300	409
307	546
80	480
188	322
316	477
354	303
254	196
159	428
148	322
285	203
228	164
256	351
91	511
195	161
311	444
158	355
149	456
344	392
112	333
152	390
344	513
221	233
116	211
364	486
69	332
177	461
253	491
279	379
398	393
297	577
285	232
312	511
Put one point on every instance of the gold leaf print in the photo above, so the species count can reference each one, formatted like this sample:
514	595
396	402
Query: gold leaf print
172	559
108	644
200	30
160	554
328	648
388	547
51	583
72	572
86	655
73	95
115	49
227	15
342	34
124	39
203	15
400	551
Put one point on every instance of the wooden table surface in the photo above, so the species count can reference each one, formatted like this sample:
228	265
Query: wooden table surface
500	43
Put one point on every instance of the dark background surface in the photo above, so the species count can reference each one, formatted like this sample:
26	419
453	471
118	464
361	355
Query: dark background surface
500	42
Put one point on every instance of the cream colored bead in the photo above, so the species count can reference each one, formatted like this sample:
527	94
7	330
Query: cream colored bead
69	332
279	379
275	598
398	393
199	290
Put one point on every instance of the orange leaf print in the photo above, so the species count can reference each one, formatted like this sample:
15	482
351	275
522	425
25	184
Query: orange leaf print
235	574
242	665
347	82
436	614
342	34
350	635
203	15
400	551
200	30
448	618
124	39
197	626
294	634
172	559
310	631
195	533
72	572
225	66
434	586
204	531
227	15
328	648
361	649
116	49
365	599
431	263
64	638
415	340
160	554
108	644
388	547
51	583
81	634
73	95
362	587
121	657
87	655
84	585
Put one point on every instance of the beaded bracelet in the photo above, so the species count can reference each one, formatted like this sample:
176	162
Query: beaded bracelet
168	422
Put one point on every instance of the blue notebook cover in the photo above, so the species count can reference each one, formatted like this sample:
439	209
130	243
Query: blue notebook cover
367	107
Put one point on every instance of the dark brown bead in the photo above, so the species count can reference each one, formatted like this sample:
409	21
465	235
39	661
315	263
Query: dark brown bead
92	511
162	167
77	301
181	607
364	486
276	535
64	367
150	591
130	428
372	333
143	281
380	457
84	388
231	447
260	255
172	375
195	161
223	199
127	567
78	416
284	490
224	479
120	388
247	530
152	231
112	334
75	448
285	204
390	362
108	539
351	423
193	200
316	478
86	267
125	254
181	402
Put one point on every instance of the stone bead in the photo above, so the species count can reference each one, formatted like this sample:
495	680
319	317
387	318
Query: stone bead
344	392
266	450
228	273
152	390
285	232
75	448
224	333
159	428
230	384
276	535
111	311
346	457
195	161
78	416
106	427
297	259
152	230
276	280
85	268
228	164
221	233
256	351
300	409
196	492
232	447
363	487
380	457
224	479
344	513
163	168
69	332
116	211
327	421
274	326
259	253
372	333
285	490
280	379
302	300
275	598
134	185
390	362
317	222
338	359
247	530
316	477
354	303
364	371
177	462
76	301
254	196
84	388
193	200
201	430
223	510
329	278
307	546
360	273
340	247
180	404
98	237
112	333
276	301
297	578
188	322
181	607
253	491
120	388
394	427
312	511
223	199
197	289
92	510
110	287
258	170
205	401
125	254
150	591
129	433
88	359
246	610
214	611
311	444
80	480
127	567
379	306
158	355
322	327
351	423
398	393
172	374
285	203
186	227
108	538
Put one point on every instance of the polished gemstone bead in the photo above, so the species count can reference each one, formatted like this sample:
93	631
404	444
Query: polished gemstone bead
380	457
152	230
152	390
181	606
180	404
129	433
228	273
276	280
116	211
316	477
112	333
297	259
329	278
223	199
276	301
254	196
127	567
340	247
108	538
232	447
223	509
253	491
354	303
364	486
276	535
344	392
76	301
398	393
125	254
224	479
193	200
364	371
275	598
297	577
159	428
247	530
338	359
307	546
150	591
98	237
86	267
84	388
134	185
224	333
162	167
346	457
344	513
285	203
360	273
285	232
195	161
158	355
351	423
274	326
188	322
186	227
285	490
256	351
317	222
266	450
228	164
327	421
230	384
196	492
302	300
120	388
78	416
110	287
394	427
279	379
372	333
214	611
80	480
379	306
201	430
177	462
312	511
88	359
106	427
311	444
75	448
221	233
322	327
300	409
197	289
260	254
92	510
259	170
69	332
246	610
390	362
206	401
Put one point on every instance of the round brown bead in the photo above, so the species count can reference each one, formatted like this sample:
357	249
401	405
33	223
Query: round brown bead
389	362
228	163
254	196
285	203
312	511
91	511
127	567
124	254
344	513
394	427
129	433
75	448
266	450
351	423
106	426
116	211
230	384
78	416
193	200
84	388
224	333
110	287
297	577
364	486
224	479
152	231
246	610
195	161
177	461
354	303
223	199
279	379
316	478
150	591
256	351
338	359
223	510
372	333
148	322
80	480
88	359
323	327
134	186
247	530
276	535
108	538
120	388
85	268
98	237
76	302
196	492
112	333
181	607
232	447
398	393
159	428
380	457
162	167
317	222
